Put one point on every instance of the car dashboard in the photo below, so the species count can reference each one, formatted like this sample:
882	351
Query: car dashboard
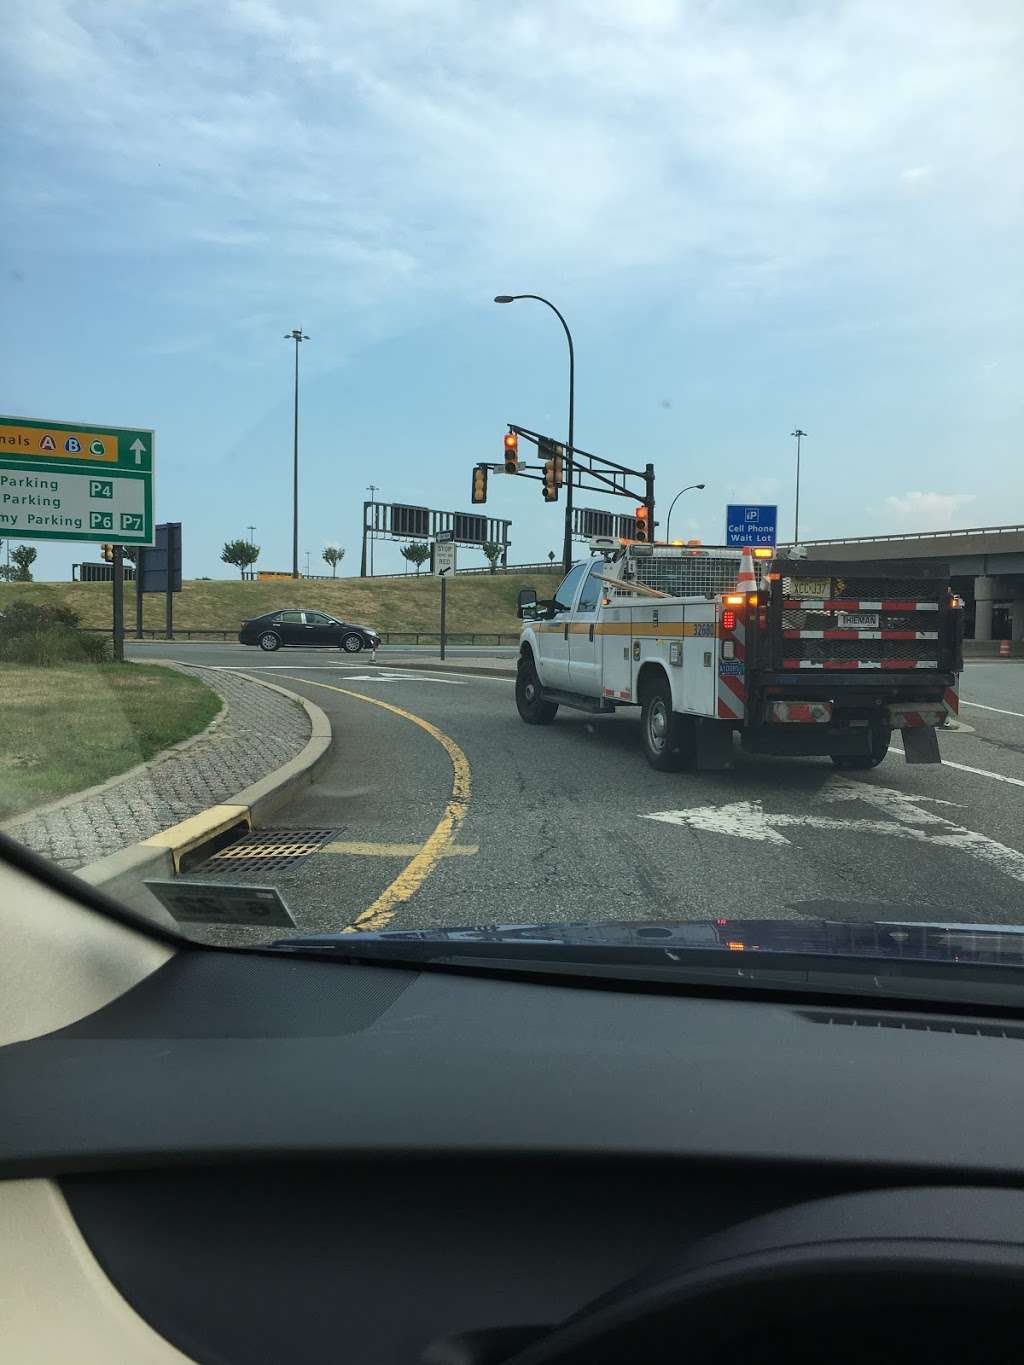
272	1158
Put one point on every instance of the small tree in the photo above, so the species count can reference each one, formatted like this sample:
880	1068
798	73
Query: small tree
492	553
240	553
417	553
24	557
333	555
7	573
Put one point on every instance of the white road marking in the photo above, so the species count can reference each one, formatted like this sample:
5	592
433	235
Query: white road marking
402	677
896	804
998	709
749	820
966	768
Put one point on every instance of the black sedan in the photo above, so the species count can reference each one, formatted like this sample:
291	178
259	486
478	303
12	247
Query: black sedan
307	628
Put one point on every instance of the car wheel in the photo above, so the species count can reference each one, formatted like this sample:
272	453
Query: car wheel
269	641
351	644
668	739
530	704
879	748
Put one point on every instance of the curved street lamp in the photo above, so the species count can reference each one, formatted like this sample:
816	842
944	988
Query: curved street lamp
567	540
668	519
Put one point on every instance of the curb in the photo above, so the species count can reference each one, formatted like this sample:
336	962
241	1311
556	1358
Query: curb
121	874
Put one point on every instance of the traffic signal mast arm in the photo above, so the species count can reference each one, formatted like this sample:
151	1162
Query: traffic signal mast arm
582	463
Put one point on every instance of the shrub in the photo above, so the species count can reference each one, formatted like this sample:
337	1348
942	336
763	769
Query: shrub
47	648
21	617
45	635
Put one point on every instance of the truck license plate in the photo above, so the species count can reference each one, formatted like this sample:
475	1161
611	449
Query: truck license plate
812	587
857	620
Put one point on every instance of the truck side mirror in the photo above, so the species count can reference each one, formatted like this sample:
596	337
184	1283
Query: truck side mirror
526	602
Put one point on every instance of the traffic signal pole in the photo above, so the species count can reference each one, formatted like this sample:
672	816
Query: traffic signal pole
118	632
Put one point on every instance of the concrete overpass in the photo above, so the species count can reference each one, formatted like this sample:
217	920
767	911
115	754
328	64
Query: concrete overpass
986	566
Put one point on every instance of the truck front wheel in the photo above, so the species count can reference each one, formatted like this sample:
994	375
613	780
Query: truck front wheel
668	739
529	702
879	748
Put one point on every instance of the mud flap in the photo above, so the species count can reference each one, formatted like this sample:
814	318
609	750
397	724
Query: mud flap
714	744
921	744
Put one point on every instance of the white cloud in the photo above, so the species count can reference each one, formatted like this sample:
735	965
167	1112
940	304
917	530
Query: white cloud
926	511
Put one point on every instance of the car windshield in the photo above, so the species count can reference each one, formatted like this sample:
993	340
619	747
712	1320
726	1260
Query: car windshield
685	339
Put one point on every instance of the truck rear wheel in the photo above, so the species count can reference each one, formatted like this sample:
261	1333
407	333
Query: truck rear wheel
879	748
529	702
669	740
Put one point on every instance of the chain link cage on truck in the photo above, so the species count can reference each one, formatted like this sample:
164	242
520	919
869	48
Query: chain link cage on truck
795	656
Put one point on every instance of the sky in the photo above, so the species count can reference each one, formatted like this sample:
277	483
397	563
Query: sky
754	216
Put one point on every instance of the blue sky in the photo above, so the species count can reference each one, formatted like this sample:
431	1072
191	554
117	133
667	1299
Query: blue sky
753	215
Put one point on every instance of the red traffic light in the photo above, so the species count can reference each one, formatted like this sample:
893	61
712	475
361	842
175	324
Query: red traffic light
511	453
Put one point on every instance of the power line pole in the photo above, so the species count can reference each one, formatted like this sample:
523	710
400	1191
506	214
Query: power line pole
796	513
297	335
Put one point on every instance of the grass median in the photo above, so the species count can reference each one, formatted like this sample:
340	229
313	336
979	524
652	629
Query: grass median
68	728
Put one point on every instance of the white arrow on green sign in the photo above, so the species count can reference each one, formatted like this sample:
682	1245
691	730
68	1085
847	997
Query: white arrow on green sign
75	481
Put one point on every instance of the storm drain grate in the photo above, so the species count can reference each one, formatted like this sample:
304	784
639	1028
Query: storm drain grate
266	850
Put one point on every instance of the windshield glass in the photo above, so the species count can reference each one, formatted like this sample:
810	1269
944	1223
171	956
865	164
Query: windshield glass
752	397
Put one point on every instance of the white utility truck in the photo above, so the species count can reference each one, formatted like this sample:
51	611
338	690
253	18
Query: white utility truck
794	655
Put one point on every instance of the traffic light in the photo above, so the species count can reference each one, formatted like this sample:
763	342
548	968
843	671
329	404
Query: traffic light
643	522
480	483
551	452
550	484
107	551
511	453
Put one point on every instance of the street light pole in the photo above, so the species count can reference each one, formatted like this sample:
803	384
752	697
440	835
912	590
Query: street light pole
668	519
297	335
567	538
796	513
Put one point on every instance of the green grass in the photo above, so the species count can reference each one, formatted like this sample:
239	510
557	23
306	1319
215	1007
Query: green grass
476	602
67	728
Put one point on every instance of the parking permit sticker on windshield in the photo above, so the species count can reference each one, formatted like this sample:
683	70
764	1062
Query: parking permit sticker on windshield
215	903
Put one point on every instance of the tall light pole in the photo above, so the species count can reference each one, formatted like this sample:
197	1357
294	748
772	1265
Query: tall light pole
372	488
668	519
297	335
567	539
796	514
252	532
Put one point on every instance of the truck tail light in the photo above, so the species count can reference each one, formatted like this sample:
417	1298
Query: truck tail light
728	620
734	599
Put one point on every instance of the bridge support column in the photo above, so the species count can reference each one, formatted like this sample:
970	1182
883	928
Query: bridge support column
1017	615
984	591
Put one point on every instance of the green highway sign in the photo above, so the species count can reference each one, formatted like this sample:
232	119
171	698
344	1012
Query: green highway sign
75	481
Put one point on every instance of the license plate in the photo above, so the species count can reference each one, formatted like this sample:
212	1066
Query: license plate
857	620
812	587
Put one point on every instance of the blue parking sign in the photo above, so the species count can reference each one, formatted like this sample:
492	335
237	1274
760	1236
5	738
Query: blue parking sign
751	524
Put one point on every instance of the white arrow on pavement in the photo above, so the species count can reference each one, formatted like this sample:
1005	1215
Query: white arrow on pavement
749	820
400	677
138	450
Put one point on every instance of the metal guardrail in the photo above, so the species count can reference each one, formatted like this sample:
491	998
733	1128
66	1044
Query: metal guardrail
544	567
921	535
388	637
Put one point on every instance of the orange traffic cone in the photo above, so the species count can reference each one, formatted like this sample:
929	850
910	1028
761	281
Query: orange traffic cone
1004	649
746	579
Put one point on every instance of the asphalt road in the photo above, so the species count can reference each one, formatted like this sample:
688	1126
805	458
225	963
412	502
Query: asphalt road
568	823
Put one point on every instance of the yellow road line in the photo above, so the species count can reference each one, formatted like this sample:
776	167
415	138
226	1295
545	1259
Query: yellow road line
439	843
395	850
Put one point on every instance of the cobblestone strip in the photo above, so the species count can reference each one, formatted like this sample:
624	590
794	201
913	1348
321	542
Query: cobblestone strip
259	731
